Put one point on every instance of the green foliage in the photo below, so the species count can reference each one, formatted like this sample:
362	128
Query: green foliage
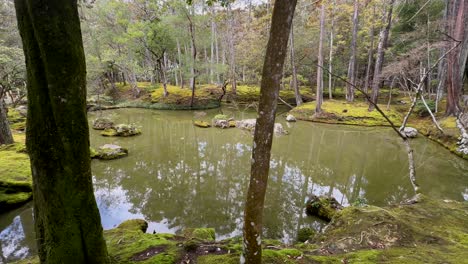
304	234
421	109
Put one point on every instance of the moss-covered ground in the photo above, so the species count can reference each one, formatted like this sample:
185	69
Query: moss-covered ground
430	231
15	174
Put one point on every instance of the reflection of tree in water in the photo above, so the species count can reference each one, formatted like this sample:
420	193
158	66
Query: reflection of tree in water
191	177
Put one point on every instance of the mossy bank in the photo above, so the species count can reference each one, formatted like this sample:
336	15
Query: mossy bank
430	231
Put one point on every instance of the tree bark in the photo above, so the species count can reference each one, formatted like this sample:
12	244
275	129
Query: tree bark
319	95
297	92
194	58
5	132
383	38
352	60
456	61
283	13
232	52
370	54
67	221
330	58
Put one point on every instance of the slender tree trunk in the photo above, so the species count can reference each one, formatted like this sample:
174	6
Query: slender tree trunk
370	54
67	221
352	60
330	58
212	48
319	95
179	56
194	58
5	132
297	92
283	13
232	52
383	38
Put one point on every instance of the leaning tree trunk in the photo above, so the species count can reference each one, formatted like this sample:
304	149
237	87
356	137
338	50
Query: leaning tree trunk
194	57
319	95
5	132
283	13
383	38
330	57
67	222
352	60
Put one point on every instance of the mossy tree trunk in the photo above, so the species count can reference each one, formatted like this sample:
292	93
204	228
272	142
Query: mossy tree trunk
283	13
67	222
5	132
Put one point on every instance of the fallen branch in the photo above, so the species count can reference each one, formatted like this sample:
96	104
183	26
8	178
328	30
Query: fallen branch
284	102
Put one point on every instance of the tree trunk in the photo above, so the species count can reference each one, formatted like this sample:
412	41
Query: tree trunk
194	57
179	55
370	55
67	222
297	92
330	58
5	132
352	60
383	38
319	95
232	52
283	13
456	60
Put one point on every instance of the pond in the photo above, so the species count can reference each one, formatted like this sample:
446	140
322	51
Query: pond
179	176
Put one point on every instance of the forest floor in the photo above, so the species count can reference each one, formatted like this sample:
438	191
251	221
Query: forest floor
429	231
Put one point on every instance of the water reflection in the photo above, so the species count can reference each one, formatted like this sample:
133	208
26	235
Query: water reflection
179	176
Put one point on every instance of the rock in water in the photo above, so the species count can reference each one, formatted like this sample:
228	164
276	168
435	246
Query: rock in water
410	132
102	123
279	130
221	123
111	151
323	207
121	130
290	118
249	124
202	124
246	124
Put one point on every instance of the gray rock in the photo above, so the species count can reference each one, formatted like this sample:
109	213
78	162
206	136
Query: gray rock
102	123
221	123
410	132
249	124
290	118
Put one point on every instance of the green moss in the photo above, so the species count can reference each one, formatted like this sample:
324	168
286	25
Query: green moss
341	112
128	240
204	95
221	117
205	234
109	132
304	234
202	124
134	224
248	93
15	176
218	259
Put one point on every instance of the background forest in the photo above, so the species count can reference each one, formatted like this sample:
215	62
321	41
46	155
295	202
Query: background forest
141	43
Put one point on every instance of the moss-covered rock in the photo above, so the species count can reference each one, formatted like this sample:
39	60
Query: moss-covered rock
202	124
108	152
304	234
205	234
121	130
102	124
134	224
322	207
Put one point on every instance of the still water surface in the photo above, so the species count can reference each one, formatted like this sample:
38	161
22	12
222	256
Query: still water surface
179	176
